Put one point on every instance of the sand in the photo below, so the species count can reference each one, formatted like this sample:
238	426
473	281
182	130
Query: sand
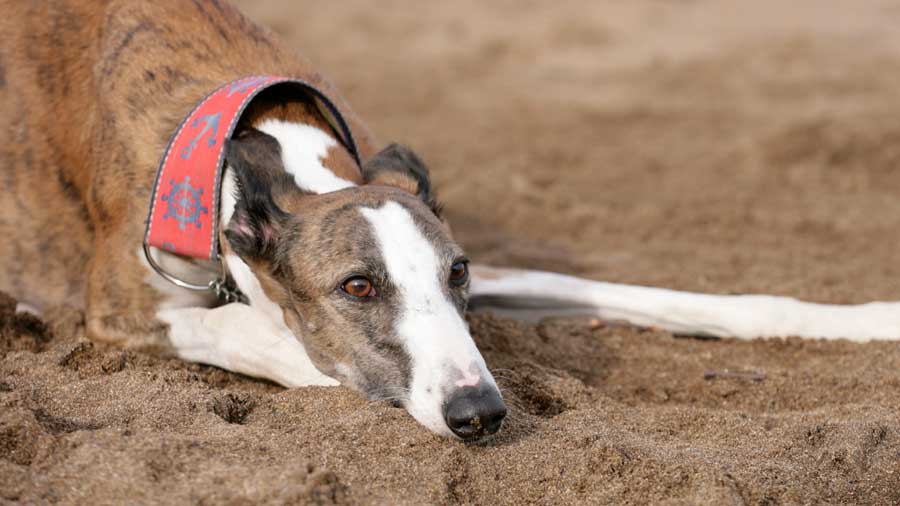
728	147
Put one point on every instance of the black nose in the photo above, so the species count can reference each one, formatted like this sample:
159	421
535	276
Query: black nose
472	412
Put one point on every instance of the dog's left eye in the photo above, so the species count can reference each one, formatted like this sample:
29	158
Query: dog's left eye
359	287
459	273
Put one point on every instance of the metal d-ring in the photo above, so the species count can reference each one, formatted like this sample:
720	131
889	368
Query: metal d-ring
217	285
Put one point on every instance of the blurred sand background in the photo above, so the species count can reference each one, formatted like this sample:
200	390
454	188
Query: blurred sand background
728	147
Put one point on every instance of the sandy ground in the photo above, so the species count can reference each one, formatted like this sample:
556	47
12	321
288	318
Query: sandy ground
727	147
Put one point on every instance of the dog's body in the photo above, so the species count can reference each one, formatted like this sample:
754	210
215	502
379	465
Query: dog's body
90	93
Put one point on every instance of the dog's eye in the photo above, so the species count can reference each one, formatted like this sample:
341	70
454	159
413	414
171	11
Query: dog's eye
459	273
359	287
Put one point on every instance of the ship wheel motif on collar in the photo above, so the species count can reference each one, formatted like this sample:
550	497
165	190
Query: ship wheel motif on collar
184	203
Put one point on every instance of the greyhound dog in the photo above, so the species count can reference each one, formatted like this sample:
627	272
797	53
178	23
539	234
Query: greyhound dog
338	266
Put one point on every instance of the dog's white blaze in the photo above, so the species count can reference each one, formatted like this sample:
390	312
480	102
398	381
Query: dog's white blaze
435	335
302	149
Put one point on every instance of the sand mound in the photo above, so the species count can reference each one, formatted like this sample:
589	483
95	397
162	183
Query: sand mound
599	414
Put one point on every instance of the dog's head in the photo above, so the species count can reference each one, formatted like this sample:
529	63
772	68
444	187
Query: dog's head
370	280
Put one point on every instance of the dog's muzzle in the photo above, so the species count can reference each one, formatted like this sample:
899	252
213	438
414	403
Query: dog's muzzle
472	412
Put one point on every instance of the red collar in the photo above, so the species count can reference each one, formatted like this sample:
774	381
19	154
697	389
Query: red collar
184	208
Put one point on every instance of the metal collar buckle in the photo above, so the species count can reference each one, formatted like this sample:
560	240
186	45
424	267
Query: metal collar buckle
222	286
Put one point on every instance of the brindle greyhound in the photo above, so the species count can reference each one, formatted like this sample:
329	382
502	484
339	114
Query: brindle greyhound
350	275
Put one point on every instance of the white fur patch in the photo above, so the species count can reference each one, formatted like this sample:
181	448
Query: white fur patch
249	284
252	340
302	149
228	199
243	339
434	334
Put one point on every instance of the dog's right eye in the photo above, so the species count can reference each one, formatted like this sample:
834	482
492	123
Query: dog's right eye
358	286
459	273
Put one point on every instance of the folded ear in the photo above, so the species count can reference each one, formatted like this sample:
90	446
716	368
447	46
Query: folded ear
255	160
399	166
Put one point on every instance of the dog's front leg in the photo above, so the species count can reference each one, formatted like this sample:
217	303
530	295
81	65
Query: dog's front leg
534	294
240	338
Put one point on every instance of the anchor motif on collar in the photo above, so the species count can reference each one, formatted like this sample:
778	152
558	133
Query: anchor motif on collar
211	125
246	84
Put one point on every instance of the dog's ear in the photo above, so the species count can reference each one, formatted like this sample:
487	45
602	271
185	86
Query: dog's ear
255	159
400	167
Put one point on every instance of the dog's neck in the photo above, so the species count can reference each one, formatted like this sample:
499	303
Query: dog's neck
317	162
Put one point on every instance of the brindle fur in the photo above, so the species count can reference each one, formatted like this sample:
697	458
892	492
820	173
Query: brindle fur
90	93
301	245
